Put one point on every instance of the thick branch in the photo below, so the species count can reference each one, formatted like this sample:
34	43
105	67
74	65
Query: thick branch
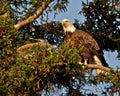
30	19
94	66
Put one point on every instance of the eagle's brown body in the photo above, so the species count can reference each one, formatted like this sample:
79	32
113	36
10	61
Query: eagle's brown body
80	39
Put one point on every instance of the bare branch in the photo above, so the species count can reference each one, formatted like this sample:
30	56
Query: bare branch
94	66
30	19
41	42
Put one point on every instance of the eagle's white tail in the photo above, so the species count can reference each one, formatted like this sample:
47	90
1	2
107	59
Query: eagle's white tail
98	62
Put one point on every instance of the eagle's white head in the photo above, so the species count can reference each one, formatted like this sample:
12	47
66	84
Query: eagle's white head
68	26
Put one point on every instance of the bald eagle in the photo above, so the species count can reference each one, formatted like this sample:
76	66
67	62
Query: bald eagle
78	38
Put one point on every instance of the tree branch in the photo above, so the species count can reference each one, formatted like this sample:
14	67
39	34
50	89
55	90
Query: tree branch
94	66
109	37
41	42
30	19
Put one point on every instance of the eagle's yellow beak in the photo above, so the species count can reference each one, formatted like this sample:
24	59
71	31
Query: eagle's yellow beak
63	23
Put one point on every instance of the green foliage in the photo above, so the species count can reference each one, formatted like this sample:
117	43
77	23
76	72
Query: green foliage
7	40
41	70
4	6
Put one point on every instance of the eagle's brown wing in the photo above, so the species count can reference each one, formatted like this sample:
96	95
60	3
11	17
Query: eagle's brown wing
80	38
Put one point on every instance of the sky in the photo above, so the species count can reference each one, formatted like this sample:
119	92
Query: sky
74	7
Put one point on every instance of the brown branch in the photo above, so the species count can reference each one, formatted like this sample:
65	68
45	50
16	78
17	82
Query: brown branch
30	19
41	42
94	66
